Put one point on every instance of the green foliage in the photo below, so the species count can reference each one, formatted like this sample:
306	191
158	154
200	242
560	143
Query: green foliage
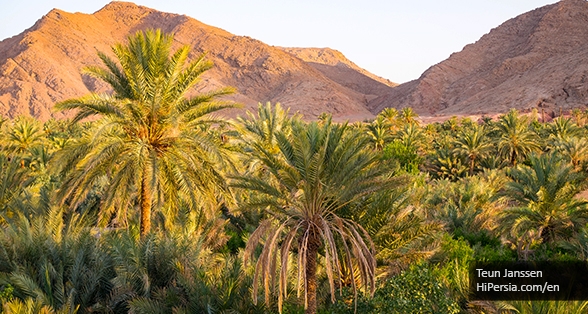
416	290
6	294
406	156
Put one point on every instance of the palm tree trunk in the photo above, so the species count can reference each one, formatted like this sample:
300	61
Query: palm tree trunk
472	164
145	203
311	256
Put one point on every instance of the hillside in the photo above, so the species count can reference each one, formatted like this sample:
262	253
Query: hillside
536	60
42	65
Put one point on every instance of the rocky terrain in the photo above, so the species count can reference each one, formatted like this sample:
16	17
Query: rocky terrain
41	66
536	60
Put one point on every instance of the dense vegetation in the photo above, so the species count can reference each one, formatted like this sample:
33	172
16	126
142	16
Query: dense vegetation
155	205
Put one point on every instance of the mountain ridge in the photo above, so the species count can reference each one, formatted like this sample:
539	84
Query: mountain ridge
42	65
535	60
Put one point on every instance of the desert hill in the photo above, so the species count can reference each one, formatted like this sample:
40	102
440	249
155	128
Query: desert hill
42	65
536	60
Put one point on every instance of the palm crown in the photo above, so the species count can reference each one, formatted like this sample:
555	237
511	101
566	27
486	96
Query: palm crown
150	135
318	170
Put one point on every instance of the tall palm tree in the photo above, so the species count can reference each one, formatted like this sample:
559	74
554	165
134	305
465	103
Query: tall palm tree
515	140
319	170
472	144
150	136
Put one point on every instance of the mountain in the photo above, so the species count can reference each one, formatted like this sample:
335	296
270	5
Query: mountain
41	66
536	60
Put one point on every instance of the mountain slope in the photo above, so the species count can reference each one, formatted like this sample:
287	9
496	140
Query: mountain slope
42	65
536	60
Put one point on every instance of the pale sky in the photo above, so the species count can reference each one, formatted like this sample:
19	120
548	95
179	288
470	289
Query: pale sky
397	40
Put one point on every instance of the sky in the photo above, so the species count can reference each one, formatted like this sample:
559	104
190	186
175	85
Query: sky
397	40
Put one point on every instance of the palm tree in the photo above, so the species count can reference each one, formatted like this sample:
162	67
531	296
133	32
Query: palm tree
575	150
390	115
319	170
260	131
515	140
55	261
562	128
150	136
411	135
24	135
408	116
13	182
400	230
544	200
378	133
473	145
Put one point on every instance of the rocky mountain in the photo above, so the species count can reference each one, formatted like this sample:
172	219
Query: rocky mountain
536	60
41	66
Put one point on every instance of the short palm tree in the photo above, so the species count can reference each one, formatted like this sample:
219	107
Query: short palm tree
411	135
515	139
390	115
378	133
544	200
13	182
562	128
472	144
319	170
408	116
574	149
151	139
24	134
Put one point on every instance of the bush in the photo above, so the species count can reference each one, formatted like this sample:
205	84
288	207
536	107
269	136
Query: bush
417	290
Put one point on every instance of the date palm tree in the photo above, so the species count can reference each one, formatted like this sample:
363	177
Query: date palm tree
378	133
259	131
151	139
544	200
473	145
575	150
515	140
408	116
319	169
391	116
